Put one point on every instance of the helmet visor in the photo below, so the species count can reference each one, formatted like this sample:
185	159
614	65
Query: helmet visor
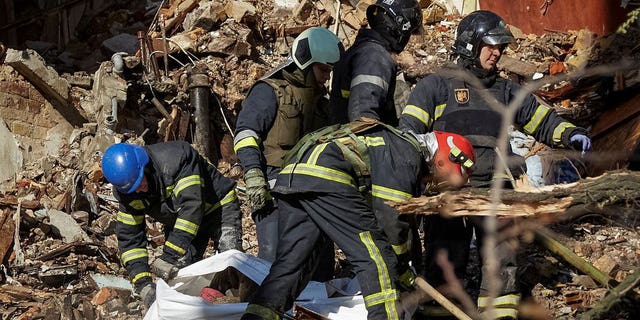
498	35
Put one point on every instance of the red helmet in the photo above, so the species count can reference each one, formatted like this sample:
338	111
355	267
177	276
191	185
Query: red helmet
453	161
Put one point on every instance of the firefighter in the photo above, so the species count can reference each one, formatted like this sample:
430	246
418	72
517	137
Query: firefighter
279	109
174	185
335	190
443	102
364	80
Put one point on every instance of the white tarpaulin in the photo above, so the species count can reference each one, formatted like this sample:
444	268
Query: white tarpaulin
172	304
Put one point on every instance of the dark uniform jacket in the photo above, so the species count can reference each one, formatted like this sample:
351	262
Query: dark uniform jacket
395	167
277	112
184	189
364	81
447	104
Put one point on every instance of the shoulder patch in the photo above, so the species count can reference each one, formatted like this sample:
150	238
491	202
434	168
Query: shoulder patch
462	95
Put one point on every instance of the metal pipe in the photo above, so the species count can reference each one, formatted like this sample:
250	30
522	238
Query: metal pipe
111	121
199	91
118	62
165	46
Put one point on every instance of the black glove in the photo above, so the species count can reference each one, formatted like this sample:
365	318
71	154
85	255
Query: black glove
148	294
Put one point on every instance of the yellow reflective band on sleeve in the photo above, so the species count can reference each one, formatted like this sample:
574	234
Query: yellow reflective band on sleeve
509	299
345	93
263	312
418	113
500	313
315	154
130	219
400	249
559	130
231	196
319	172
535	121
140	276
186	226
175	247
137	204
381	297
246	142
389	194
383	273
133	254
187	182
440	110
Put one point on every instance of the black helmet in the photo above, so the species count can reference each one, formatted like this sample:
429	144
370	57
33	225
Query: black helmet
478	26
395	20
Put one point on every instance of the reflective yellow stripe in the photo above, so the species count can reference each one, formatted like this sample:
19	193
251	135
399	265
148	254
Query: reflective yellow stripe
373	141
137	204
140	276
383	272
130	219
319	172
133	254
505	313
439	111
246	142
264	312
186	226
380	297
401	248
509	299
231	196
187	182
417	113
313	158
389	194
174	247
559	130
345	93
535	121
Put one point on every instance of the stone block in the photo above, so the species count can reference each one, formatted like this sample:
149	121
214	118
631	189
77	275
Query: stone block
54	88
21	129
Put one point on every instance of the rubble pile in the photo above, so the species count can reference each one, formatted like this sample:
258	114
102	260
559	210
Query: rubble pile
130	78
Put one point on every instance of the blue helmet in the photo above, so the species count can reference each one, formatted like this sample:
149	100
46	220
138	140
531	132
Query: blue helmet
123	166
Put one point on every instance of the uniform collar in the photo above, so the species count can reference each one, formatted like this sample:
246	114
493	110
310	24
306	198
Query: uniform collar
368	35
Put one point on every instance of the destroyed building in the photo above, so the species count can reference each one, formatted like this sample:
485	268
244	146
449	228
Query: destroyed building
79	75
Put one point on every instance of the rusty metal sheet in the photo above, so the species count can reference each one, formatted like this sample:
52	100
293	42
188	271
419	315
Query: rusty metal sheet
540	16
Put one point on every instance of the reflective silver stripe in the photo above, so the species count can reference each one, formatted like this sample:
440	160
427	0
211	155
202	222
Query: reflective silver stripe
186	226
133	254
319	172
380	297
417	113
534	122
130	219
440	110
509	299
187	182
375	80
559	130
245	134
389	194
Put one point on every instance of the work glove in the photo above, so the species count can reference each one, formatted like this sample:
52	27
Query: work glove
580	142
407	280
148	294
164	269
256	189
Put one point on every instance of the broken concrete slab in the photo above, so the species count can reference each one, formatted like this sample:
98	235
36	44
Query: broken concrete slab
53	87
238	9
66	227
58	275
111	281
206	16
10	154
7	229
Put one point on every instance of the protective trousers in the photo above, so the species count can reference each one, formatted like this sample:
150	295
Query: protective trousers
307	222
454	236
268	233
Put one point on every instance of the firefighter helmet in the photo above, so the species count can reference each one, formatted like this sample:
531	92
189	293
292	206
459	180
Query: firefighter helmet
478	27
395	20
316	45
123	166
453	162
